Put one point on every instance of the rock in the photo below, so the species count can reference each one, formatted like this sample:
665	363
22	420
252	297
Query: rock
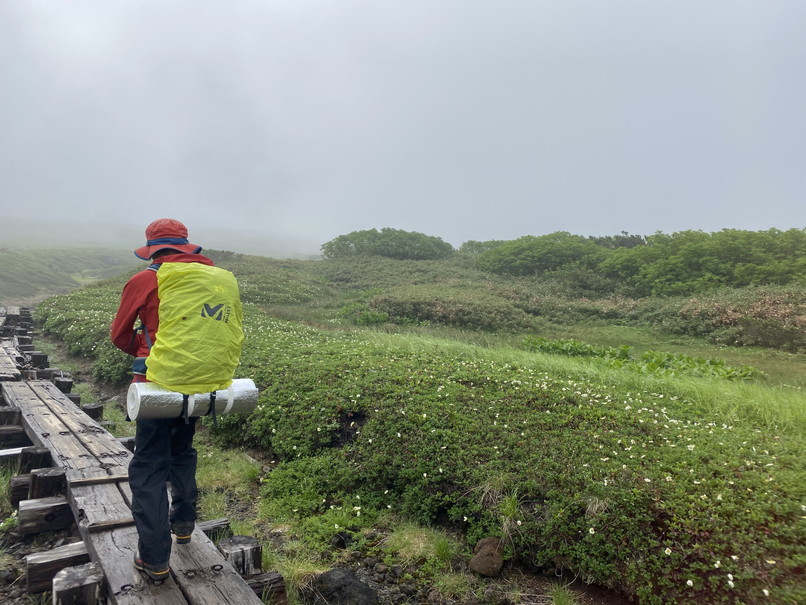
7	576
488	559
341	540
342	587
408	588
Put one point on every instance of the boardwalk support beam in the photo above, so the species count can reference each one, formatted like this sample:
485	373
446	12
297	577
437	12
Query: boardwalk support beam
244	553
44	514
82	584
41	567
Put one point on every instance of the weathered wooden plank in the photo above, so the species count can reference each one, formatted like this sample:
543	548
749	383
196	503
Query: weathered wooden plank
34	456
79	585
99	506
13	436
269	586
8	366
205	578
37	419
215	529
244	553
101	479
93	410
127	442
19	488
47	482
44	514
10	416
38	359
64	384
47	429
100	443
10	456
41	567
126	491
115	550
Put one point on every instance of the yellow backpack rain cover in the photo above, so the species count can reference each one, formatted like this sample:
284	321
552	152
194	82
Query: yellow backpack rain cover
200	335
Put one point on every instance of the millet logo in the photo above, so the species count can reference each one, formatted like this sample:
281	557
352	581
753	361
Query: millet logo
217	312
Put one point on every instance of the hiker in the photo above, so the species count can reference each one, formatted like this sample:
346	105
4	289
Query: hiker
163	446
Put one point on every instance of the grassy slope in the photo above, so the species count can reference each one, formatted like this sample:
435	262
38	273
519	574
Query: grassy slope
640	482
31	274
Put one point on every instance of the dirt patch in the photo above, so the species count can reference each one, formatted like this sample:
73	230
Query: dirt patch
13	550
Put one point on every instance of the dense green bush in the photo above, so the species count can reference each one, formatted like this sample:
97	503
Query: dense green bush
683	263
692	261
530	255
360	314
391	243
475	248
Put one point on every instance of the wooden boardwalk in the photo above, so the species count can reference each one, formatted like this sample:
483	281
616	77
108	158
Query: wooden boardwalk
9	356
95	481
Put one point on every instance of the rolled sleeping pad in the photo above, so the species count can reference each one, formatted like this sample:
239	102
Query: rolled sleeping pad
149	400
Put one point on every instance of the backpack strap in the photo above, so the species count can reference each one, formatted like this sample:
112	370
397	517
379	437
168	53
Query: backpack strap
212	409
185	402
142	327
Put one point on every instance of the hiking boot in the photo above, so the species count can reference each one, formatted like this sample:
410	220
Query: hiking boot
158	573
183	530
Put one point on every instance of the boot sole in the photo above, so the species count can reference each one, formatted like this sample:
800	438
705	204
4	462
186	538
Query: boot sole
157	576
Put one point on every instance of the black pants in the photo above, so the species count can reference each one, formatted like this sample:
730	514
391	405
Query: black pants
163	452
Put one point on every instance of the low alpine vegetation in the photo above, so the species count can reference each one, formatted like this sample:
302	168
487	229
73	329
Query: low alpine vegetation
671	478
651	362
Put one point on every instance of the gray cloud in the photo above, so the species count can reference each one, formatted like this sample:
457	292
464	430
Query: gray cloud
463	119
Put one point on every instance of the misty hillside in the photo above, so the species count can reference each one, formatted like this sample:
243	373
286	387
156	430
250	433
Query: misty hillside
28	275
29	233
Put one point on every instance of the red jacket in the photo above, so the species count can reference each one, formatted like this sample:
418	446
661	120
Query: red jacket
139	300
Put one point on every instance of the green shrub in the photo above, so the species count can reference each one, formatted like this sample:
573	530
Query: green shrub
361	315
391	243
762	316
575	348
459	308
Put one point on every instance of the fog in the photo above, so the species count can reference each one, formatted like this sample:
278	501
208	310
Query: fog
288	123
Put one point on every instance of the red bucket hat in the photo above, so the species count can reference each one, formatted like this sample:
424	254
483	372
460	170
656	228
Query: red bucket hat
166	233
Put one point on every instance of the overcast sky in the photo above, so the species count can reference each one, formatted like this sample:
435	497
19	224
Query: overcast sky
464	119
